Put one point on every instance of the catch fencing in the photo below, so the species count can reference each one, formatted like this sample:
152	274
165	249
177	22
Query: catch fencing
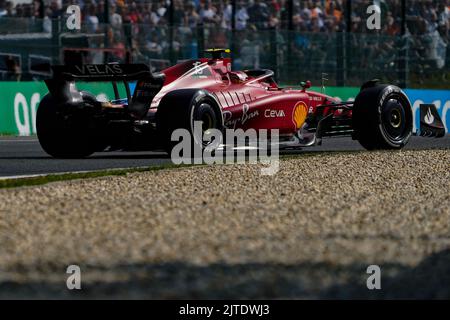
345	59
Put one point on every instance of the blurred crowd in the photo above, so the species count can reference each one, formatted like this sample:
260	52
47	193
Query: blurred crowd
315	23
308	15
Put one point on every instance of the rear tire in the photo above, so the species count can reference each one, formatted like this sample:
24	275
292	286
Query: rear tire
63	136
382	117
180	108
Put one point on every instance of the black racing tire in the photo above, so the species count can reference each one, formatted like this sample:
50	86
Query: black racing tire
382	117
63	136
180	108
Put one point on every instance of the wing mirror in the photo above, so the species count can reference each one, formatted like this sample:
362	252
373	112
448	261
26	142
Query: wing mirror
305	85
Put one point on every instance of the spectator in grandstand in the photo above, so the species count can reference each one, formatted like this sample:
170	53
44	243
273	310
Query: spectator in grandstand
443	19
191	17
334	9
145	22
56	9
317	13
190	49
3	11
18	11
28	10
160	11
153	47
274	22
241	17
100	11
390	27
133	15
36	8
259	14
305	14
115	18
178	13
13	70
161	8
9	9
91	19
47	23
150	16
217	38
208	13
250	50
226	16
120	51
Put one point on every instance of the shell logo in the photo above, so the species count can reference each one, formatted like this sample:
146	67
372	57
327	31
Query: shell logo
299	114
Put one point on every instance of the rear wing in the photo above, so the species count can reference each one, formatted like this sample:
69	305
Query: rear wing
102	72
148	84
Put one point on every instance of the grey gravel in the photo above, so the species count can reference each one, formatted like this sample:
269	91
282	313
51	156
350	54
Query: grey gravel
226	231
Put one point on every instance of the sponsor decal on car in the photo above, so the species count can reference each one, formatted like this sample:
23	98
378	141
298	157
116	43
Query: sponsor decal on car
429	118
200	70
106	69
232	123
270	113
313	98
299	114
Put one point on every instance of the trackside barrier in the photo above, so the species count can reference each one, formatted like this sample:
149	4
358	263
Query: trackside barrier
19	102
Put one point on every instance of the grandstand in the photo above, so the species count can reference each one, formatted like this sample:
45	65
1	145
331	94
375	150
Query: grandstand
298	39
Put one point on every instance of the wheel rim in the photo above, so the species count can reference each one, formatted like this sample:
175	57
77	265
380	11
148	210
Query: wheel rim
208	122
394	119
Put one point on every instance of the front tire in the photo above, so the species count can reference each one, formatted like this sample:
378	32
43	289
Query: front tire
65	136
382	117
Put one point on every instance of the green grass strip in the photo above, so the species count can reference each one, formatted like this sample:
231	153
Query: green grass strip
44	179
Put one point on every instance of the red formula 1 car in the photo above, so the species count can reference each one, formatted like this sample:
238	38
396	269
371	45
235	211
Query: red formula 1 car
73	123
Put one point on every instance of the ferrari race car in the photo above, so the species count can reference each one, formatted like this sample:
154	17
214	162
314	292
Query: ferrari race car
72	123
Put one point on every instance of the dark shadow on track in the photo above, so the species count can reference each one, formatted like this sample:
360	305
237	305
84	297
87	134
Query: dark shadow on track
428	280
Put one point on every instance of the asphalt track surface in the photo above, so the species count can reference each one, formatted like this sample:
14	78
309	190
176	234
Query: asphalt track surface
23	156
